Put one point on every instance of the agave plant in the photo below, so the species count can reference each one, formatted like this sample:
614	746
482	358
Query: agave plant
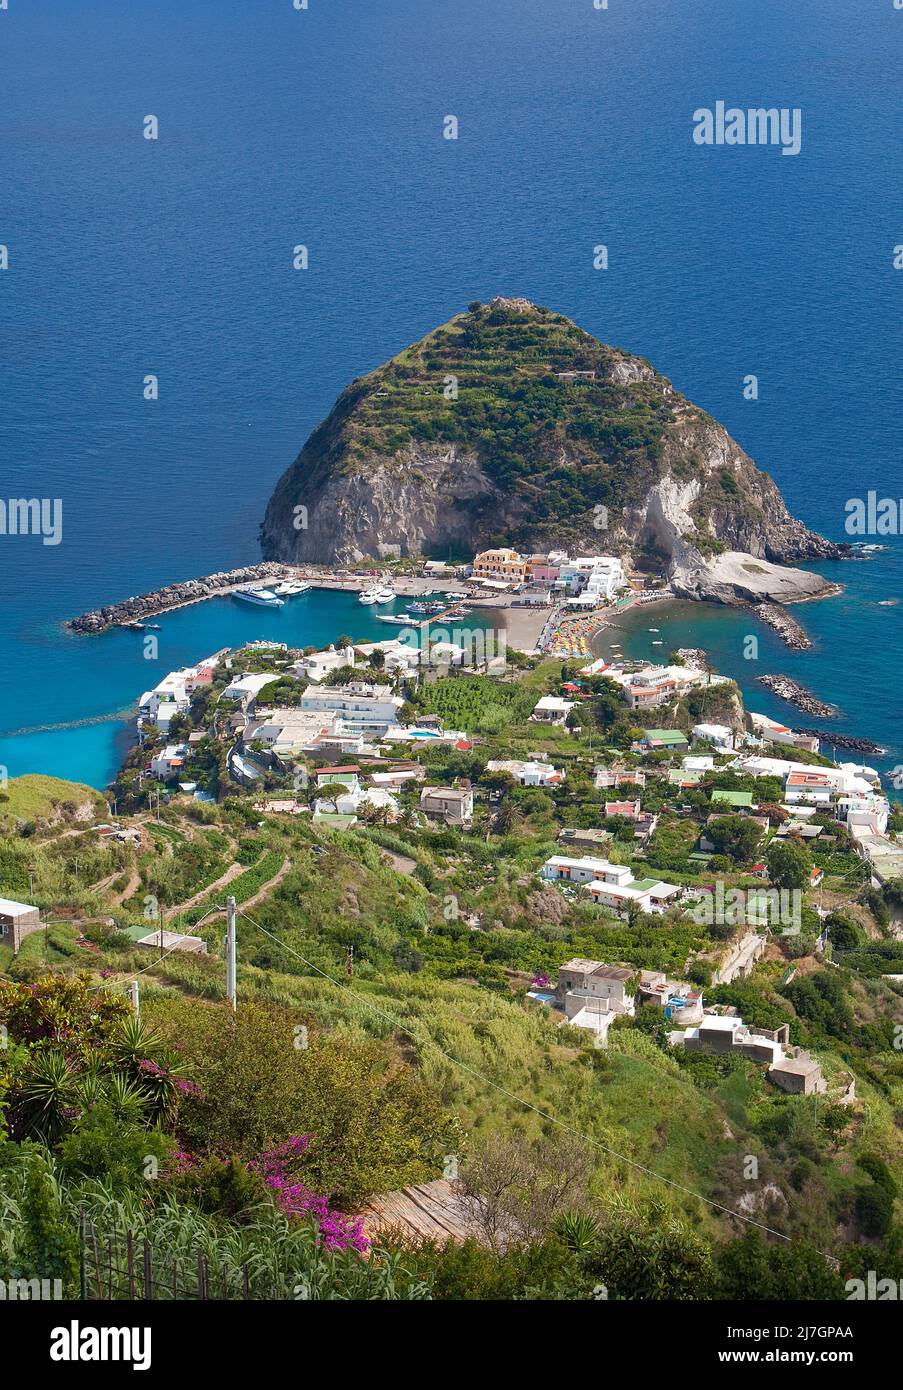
141	1054
49	1094
579	1232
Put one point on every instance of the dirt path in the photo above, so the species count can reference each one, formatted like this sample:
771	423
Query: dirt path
400	862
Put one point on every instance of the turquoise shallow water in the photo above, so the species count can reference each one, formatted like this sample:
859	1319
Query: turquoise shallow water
854	663
101	678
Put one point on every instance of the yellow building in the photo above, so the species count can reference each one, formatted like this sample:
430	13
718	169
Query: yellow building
505	565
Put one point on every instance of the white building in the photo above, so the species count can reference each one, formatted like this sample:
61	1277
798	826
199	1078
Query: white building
172	695
317	665
610	885
597	576
552	710
369	708
170	761
244	689
528	774
717	734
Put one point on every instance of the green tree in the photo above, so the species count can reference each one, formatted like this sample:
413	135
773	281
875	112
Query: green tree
789	863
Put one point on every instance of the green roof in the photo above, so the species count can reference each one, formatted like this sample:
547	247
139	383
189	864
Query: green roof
733	798
644	884
666	735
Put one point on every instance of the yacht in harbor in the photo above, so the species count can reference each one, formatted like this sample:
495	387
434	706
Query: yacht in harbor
378	594
288	588
265	597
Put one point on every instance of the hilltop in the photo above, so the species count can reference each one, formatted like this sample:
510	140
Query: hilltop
510	424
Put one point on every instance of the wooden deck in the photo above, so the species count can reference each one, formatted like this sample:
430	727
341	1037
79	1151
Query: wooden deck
430	1211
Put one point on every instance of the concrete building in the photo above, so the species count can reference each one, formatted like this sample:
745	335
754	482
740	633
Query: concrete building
173	941
371	709
552	710
503	565
453	804
17	920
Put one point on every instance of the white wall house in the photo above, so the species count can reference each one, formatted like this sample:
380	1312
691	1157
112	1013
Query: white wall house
552	710
528	774
610	885
317	665
371	708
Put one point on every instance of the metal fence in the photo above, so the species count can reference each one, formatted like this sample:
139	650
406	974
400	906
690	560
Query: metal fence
125	1265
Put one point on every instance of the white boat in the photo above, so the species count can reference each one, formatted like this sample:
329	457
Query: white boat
290	587
368	596
266	597
385	595
456	595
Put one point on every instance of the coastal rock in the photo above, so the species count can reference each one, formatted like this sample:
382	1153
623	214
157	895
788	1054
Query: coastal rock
743	577
510	424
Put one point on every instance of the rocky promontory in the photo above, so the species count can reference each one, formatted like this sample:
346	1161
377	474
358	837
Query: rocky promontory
132	610
509	425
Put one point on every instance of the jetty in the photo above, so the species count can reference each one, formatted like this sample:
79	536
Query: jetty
784	625
131	611
796	694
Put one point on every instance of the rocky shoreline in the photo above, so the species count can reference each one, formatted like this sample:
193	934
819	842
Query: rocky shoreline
172	596
796	694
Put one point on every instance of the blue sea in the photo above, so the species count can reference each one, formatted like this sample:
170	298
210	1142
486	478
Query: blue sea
324	127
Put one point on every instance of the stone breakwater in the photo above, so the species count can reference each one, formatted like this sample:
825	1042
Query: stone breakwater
798	695
132	610
859	745
784	625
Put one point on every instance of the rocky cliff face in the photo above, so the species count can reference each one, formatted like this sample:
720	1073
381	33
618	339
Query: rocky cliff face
509	424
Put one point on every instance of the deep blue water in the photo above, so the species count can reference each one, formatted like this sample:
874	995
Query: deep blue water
278	127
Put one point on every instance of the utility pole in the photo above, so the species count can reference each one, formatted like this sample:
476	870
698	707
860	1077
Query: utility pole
136	1005
230	953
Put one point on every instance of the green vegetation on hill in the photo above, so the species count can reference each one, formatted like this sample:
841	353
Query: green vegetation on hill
515	408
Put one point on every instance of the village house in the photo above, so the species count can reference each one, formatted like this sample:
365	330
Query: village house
528	774
169	762
17	920
644	822
719	735
453	804
552	710
771	731
348	776
789	1067
669	740
317	665
604	778
592	995
610	885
